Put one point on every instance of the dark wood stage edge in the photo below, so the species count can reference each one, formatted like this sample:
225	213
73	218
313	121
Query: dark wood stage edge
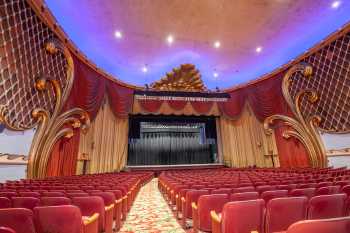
157	169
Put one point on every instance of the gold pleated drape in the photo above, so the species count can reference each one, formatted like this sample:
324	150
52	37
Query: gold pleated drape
244	142
106	143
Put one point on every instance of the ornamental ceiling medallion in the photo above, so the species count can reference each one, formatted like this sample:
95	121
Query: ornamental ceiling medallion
184	78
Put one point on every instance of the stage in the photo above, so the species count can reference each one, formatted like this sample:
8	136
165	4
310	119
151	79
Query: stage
157	169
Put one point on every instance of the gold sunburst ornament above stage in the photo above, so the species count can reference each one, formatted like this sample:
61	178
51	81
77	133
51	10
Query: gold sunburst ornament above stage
184	78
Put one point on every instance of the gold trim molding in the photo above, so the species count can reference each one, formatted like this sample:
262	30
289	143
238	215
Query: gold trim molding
52	127
304	130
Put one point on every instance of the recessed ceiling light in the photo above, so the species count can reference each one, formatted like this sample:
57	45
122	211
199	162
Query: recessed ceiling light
118	34
336	4
215	74
258	49
170	39
144	69
217	44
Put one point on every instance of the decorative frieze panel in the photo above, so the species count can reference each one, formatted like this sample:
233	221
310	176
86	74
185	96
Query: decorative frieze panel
24	59
331	82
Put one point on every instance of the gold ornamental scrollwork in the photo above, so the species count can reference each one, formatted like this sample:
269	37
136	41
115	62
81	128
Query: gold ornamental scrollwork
52	127
304	130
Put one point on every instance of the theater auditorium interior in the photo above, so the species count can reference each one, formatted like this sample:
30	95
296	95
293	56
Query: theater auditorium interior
175	116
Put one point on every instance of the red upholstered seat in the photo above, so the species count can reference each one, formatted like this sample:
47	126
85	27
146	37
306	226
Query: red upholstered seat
109	202
58	219
6	230
346	190
243	216
191	196
244	189
269	195
263	188
327	206
307	192
118	207
207	203
283	212
222	191
29	194
18	219
54	201
91	205
70	195
244	196
324	184
328	190
8	194
53	194
5	202
25	202
333	225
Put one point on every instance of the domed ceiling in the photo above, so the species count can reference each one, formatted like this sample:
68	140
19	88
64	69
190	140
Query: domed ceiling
230	41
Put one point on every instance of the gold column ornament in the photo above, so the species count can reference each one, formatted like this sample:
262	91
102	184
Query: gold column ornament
305	130
52	127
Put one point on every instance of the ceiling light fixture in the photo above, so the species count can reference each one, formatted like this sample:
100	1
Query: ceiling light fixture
217	44
215	74
170	39
258	49
118	34
336	4
144	69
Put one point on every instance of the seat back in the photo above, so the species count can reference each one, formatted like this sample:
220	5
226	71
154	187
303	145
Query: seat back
244	196
58	219
328	190
8	194
207	203
283	212
222	191
243	189
18	219
90	205
6	230
346	190
25	202
192	196
108	197
333	225
262	188
29	194
327	206
53	194
5	203
54	201
307	192
243	216
269	195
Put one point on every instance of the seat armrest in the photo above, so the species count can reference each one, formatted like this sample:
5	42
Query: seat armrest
90	224
110	207
215	222
195	217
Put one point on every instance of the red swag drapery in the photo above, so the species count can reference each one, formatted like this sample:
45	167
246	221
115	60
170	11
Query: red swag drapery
266	99
88	91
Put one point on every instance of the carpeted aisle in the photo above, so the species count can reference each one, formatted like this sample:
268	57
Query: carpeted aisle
150	213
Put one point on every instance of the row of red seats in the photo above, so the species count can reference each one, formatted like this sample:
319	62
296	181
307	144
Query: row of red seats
101	206
176	185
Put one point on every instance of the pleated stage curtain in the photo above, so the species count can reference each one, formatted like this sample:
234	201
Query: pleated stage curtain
244	142
106	143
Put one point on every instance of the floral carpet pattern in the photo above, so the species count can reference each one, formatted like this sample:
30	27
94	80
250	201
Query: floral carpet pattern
150	213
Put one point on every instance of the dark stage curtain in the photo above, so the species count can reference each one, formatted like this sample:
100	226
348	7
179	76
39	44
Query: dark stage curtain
169	148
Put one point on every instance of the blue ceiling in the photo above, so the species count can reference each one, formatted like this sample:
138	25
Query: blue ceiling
283	29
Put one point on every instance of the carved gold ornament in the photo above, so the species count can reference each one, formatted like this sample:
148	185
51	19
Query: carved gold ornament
305	130
184	78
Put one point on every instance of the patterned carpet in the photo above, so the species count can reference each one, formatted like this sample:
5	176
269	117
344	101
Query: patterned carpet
150	213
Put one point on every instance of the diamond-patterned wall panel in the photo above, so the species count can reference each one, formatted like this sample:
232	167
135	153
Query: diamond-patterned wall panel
23	59
331	80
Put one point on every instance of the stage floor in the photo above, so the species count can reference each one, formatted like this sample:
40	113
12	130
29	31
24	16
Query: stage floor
160	168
